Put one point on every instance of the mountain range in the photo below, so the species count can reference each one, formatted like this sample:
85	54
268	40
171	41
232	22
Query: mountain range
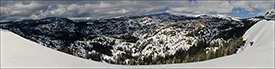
141	39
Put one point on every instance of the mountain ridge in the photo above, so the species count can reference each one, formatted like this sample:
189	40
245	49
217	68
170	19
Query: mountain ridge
117	40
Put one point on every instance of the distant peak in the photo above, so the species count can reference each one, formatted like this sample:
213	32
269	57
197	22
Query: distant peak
56	19
270	14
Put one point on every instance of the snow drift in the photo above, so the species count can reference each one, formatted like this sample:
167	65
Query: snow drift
19	52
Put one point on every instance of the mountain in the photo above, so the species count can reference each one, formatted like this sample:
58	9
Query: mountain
154	38
219	16
270	14
19	52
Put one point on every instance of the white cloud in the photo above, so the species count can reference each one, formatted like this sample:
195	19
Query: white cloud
118	12
205	7
99	9
253	5
242	4
19	7
237	11
251	13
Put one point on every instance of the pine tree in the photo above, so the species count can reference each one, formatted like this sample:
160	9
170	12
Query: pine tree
61	47
67	50
87	55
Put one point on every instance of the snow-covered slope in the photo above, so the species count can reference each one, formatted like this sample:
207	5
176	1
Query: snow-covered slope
270	14
145	36
260	54
260	34
20	52
219	16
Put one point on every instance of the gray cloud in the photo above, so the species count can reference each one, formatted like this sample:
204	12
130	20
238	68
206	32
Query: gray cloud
16	10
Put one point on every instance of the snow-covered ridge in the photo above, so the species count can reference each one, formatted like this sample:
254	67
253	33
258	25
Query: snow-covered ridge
270	14
25	53
258	55
219	16
260	34
149	35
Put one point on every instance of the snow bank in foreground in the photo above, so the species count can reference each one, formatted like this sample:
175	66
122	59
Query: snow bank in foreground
19	52
260	34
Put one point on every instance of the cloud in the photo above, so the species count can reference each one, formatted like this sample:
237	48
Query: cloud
253	5
237	11
206	7
14	10
118	12
251	13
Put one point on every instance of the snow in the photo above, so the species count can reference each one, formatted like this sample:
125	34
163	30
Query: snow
270	14
225	17
260	34
259	55
19	52
222	16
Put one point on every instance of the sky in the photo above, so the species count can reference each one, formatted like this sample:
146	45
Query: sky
88	9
